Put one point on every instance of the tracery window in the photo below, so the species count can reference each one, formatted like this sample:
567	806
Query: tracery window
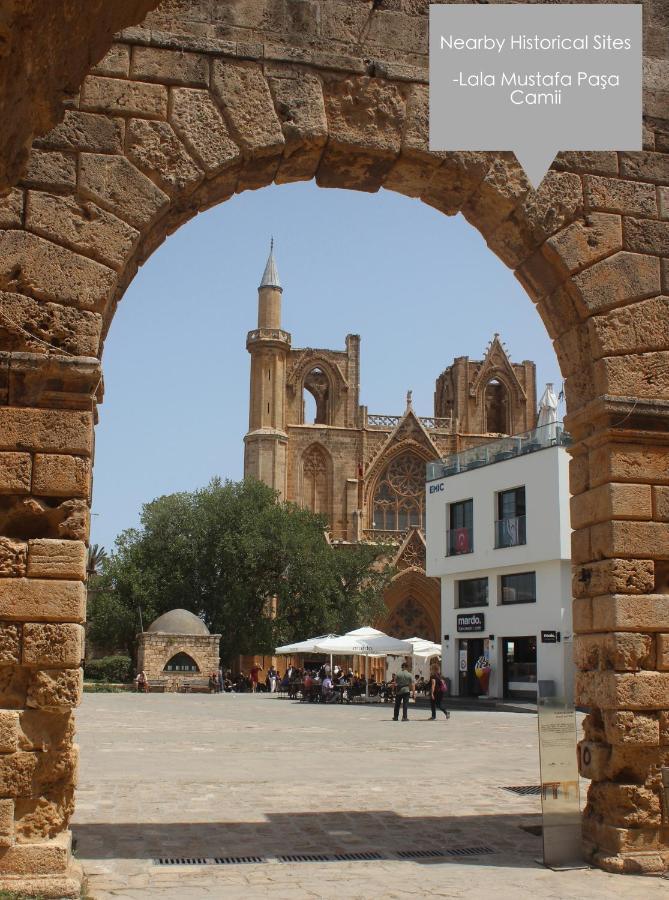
496	408
399	497
316	398
410	619
315	480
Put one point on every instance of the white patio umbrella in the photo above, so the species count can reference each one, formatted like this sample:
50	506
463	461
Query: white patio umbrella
548	412
308	646
424	649
365	642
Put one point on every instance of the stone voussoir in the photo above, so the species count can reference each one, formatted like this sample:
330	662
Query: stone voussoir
42	600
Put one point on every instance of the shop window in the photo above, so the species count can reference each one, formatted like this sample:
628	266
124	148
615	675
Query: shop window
460	533
510	525
519	588
472	592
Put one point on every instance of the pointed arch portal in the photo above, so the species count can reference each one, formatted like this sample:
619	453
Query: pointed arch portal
176	119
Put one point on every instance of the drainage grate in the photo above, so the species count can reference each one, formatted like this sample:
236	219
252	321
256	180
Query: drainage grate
357	856
469	851
306	857
524	789
201	861
420	854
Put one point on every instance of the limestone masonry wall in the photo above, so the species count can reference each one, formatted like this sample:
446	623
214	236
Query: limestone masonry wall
204	100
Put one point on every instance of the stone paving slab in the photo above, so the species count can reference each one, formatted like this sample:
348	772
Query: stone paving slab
168	775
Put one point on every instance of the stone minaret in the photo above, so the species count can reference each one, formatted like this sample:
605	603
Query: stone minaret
266	442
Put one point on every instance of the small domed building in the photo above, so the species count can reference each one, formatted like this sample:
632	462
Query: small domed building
178	648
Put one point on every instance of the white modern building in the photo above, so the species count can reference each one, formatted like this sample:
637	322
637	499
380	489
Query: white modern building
498	537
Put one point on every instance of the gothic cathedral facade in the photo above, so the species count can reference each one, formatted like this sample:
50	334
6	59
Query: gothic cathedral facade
364	472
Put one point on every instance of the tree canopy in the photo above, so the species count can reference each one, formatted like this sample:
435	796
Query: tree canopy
224	552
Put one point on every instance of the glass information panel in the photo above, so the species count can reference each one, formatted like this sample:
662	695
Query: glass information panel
559	784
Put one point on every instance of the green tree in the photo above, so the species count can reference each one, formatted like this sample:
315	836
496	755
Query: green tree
224	552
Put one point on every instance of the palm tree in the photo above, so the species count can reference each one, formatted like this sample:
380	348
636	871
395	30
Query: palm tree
96	556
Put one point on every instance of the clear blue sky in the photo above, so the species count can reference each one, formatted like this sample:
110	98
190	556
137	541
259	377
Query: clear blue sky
419	287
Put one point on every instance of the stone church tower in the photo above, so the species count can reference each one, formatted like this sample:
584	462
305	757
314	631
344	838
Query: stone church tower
364	472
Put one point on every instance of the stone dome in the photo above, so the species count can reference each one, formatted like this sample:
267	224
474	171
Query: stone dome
178	621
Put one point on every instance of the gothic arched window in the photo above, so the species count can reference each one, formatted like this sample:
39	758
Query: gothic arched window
316	398
399	495
496	405
315	480
410	618
182	662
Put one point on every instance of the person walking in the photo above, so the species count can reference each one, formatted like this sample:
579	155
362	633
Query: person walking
437	693
405	686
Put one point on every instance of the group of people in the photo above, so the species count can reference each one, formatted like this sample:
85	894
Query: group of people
405	686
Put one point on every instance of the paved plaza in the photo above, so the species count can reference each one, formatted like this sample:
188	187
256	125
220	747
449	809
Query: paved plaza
228	776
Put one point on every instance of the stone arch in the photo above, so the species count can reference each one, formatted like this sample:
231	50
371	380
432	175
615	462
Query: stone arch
316	480
179	659
379	472
317	382
172	122
413	599
496	411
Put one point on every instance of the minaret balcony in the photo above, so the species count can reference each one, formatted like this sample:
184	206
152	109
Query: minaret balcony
268	337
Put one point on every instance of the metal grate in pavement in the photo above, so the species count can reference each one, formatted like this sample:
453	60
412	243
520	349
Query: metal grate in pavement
524	790
352	856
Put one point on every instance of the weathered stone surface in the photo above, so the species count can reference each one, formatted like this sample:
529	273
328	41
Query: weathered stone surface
16	774
82	226
115	62
13	685
42	600
200	125
585	242
455	181
42	858
582	614
43	817
614	576
51	171
85	131
15	470
29	516
52	645
169	66
646	236
11	209
614	195
44	731
645	166
626	727
555	204
630	539
55	688
6	823
661	503
9	731
619	278
609	690
595	162
633	328
10	643
242	93
634	375
117	185
630	462
621	651
301	110
50	430
13	555
366	114
502	189
133	98
624	805
611	501
663	651
48	558
27	324
155	149
33	266
55	475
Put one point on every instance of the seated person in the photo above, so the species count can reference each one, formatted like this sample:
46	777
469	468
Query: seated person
326	689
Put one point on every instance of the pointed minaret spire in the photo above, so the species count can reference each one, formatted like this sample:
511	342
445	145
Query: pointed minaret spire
270	277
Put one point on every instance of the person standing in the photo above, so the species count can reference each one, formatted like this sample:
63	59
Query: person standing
255	671
437	693
405	686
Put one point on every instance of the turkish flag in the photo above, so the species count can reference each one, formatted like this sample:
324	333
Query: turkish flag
462	540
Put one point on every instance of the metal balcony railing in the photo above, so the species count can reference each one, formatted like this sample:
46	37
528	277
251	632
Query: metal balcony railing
510	532
552	435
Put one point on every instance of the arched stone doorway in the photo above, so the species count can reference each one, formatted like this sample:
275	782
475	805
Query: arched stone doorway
177	118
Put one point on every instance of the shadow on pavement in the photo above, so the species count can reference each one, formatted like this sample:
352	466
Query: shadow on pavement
325	832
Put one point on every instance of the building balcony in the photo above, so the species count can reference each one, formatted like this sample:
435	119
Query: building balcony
510	532
552	435
459	541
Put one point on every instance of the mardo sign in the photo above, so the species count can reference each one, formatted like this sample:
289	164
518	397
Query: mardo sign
471	622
